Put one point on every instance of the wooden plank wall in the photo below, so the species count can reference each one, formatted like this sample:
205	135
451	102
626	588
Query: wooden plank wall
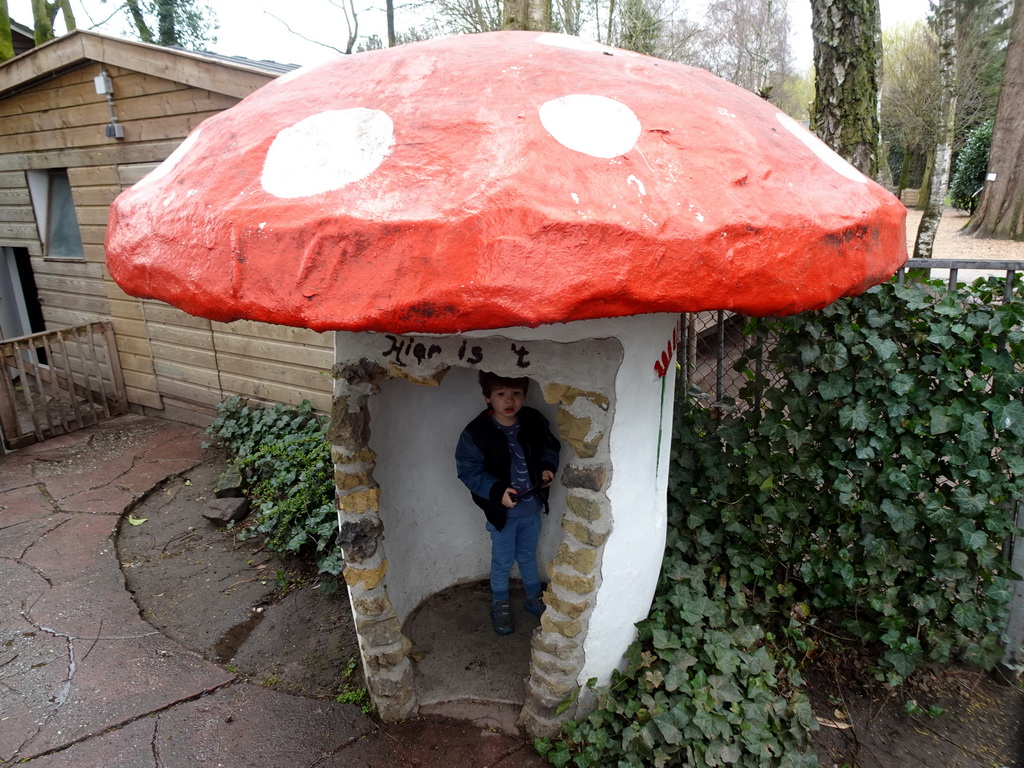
172	362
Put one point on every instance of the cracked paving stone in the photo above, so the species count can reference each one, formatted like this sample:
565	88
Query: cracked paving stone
128	747
117	681
72	549
247	725
33	673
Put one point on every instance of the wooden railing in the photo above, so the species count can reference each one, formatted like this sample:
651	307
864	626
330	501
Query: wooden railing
58	381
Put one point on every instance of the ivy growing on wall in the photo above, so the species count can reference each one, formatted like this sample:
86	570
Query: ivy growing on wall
866	484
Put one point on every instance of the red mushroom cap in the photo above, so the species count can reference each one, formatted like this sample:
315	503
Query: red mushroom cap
501	179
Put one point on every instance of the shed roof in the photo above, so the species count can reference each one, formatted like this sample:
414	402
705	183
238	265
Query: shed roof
229	75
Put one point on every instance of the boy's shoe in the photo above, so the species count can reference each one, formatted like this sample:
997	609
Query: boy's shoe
535	605
501	617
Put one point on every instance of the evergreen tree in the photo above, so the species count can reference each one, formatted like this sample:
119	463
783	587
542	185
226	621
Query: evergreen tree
177	23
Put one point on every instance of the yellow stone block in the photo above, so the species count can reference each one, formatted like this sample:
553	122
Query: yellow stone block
588	509
581	585
368	578
574	431
360	502
584	533
580	560
563	393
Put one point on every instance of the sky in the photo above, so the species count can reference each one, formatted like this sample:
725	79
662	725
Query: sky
256	28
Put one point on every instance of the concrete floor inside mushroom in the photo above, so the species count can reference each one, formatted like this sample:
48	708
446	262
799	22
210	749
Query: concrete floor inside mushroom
462	668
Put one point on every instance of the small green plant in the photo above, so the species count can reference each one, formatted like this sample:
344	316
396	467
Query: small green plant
283	451
911	707
354	694
358	696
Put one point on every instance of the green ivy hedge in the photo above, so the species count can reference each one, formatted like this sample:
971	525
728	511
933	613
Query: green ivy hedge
284	453
867	483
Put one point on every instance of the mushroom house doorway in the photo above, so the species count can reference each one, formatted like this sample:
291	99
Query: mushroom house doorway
417	552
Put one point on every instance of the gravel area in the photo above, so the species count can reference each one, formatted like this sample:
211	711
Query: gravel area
951	243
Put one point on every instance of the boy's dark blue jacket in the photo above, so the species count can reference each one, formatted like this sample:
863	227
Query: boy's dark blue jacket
484	463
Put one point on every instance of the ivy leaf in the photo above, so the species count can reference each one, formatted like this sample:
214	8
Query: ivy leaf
833	357
664	639
884	348
857	418
902	383
902	519
942	420
834	387
801	380
669	732
976	540
973	432
1007	414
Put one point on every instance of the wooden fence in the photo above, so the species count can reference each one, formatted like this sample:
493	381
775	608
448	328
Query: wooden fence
58	381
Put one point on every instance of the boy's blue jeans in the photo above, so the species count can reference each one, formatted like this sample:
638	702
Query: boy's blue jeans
515	543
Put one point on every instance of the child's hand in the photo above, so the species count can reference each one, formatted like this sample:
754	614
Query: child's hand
507	499
547	475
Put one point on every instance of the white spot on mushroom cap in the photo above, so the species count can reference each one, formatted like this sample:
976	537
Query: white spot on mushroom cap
821	149
633	180
172	160
594	125
326	151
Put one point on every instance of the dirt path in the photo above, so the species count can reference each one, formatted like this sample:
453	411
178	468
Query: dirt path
952	243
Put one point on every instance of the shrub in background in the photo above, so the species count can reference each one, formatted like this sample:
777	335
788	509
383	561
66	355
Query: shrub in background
971	169
284	454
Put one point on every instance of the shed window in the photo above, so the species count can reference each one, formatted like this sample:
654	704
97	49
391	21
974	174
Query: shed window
55	214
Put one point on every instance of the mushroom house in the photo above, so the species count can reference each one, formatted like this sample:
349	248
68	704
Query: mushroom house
528	204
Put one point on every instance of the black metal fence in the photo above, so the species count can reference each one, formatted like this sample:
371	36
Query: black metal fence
712	342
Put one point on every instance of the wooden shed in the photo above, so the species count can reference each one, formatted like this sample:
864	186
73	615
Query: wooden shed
82	118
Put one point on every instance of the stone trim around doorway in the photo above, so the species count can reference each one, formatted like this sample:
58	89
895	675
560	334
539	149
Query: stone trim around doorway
583	422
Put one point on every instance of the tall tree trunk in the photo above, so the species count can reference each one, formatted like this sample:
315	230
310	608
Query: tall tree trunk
352	20
904	174
1001	210
42	24
145	34
938	179
389	12
527	15
926	180
6	40
845	112
67	14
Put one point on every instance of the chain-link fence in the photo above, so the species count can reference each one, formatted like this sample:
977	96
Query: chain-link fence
713	342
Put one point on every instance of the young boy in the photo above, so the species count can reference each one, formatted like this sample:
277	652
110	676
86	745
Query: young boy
507	457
